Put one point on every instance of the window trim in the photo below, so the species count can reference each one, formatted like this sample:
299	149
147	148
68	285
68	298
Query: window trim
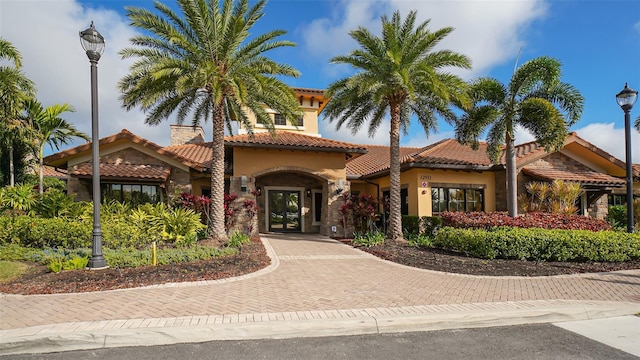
447	201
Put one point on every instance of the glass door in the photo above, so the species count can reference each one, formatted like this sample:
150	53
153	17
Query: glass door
284	211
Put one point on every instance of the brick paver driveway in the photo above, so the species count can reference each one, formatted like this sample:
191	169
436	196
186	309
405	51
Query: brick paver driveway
313	277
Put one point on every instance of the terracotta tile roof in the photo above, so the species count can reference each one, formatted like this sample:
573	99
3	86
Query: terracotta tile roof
199	153
376	159
444	154
582	176
59	159
125	171
451	152
636	170
50	171
291	140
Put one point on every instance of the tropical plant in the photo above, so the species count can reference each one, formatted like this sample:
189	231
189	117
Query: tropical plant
19	197
203	63
15	89
557	197
49	128
400	74
535	99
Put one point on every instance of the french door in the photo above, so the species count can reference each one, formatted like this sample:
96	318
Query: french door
284	211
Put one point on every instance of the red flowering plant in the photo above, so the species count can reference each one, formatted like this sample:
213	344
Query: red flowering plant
230	210
359	211
251	209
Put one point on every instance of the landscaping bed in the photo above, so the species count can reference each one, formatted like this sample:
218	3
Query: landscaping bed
453	262
253	257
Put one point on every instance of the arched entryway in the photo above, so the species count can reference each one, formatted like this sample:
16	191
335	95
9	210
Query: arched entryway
290	200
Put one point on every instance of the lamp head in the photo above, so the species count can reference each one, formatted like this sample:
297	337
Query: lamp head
626	98
92	42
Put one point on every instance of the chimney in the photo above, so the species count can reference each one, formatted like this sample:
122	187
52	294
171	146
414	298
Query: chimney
186	134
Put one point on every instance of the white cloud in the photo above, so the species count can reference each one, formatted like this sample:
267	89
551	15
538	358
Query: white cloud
328	131
611	139
54	59
489	32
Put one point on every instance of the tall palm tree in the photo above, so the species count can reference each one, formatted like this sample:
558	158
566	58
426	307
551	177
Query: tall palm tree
401	74
15	89
49	128
535	99
204	64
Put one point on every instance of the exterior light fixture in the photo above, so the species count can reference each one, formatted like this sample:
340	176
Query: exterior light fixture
626	98
93	44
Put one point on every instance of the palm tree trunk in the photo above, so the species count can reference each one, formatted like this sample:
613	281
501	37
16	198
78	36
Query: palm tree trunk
512	179
218	230
12	177
395	217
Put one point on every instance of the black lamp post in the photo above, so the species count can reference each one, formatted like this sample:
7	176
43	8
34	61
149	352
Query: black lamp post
626	98
93	43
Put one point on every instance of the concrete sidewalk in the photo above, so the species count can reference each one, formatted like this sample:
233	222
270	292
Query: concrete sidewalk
314	286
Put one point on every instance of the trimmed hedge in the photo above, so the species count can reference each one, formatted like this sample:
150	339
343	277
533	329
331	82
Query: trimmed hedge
541	244
482	220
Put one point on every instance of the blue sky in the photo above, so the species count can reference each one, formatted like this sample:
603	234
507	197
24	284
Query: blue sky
598	43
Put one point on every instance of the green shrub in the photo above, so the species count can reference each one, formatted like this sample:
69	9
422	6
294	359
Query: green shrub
368	239
128	258
39	232
55	265
410	224
541	244
419	240
55	203
618	217
237	239
430	224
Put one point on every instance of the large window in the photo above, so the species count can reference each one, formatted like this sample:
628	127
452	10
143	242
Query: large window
134	194
456	199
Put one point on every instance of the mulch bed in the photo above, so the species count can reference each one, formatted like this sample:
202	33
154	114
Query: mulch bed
253	258
452	262
38	281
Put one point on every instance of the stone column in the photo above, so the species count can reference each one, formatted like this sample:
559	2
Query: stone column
242	222
332	217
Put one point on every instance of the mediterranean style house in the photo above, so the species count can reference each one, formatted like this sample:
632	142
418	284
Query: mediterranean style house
297	177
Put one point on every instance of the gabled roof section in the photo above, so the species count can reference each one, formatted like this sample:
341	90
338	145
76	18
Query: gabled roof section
293	141
60	159
528	152
200	153
375	160
585	177
444	154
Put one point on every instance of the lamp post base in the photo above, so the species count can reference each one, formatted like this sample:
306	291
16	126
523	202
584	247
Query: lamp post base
97	263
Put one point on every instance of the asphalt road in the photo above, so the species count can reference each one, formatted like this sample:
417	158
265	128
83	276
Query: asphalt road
540	341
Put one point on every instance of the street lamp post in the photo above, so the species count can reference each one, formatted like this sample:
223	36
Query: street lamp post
93	43
626	98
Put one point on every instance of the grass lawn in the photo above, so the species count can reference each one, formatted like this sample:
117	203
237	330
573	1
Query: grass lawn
11	269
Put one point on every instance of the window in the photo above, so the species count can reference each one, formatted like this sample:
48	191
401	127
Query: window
279	119
134	194
404	200
300	121
455	199
317	207
616	199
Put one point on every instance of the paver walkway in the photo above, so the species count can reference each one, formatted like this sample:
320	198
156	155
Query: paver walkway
311	277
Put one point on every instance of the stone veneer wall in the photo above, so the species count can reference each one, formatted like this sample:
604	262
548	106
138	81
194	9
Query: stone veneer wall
600	208
185	134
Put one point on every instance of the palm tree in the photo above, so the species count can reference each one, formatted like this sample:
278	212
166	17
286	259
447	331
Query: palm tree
49	128
535	99
398	73
15	89
204	64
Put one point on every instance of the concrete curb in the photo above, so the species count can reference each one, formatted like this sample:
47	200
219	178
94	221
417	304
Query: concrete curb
84	340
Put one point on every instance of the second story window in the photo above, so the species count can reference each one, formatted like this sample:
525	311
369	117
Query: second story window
279	120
